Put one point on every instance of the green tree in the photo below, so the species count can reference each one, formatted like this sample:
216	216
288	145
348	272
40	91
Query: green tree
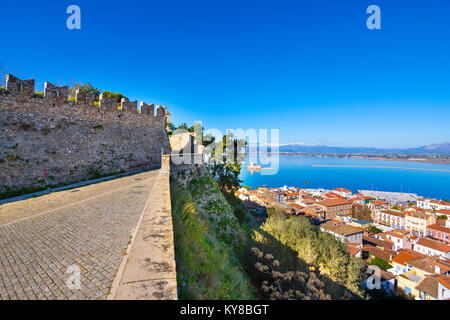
275	211
225	162
172	128
300	246
114	95
87	88
374	229
183	125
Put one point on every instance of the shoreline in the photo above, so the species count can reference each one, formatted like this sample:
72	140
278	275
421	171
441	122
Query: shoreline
295	176
379	167
324	155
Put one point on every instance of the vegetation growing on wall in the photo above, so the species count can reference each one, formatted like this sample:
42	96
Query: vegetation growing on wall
87	89
114	95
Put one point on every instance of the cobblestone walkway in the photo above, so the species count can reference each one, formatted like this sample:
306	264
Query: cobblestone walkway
89	227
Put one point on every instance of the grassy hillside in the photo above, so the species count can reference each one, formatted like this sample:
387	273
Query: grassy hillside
208	239
221	255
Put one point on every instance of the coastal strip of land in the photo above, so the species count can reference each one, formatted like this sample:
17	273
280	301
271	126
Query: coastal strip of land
379	167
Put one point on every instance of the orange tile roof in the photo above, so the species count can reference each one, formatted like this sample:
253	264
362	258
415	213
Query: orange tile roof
295	206
377	252
397	233
335	202
429	265
341	190
444	280
434	244
352	250
386	244
355	244
288	194
404	256
340	228
377	202
429	285
394	213
439	228
418	215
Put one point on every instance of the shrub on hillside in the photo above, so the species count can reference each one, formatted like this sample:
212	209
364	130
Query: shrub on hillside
213	206
299	245
288	285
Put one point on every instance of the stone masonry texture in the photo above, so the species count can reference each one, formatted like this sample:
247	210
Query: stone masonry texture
48	140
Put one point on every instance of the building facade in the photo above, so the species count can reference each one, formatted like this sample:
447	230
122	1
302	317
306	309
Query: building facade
391	218
417	222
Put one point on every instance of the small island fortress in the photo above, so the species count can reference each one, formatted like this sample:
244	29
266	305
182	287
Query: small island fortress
50	139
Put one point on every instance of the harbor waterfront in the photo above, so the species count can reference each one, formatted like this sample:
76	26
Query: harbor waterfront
424	179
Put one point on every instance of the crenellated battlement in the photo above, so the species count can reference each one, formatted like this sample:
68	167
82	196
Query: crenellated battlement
107	103
16	86
147	109
82	98
54	139
58	96
55	93
127	105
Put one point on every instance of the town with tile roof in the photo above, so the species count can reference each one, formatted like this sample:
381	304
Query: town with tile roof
407	238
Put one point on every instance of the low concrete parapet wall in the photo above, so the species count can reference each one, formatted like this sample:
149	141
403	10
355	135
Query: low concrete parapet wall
148	271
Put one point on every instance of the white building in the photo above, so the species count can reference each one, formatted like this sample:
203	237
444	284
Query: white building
444	288
400	240
433	204
390	218
431	247
342	192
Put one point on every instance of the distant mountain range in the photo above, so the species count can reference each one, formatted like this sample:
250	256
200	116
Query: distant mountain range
433	149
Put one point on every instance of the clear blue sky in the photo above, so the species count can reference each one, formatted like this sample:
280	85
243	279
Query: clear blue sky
309	68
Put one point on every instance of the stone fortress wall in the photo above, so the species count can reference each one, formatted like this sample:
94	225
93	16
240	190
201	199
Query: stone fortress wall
49	140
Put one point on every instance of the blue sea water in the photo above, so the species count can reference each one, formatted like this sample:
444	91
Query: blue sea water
319	172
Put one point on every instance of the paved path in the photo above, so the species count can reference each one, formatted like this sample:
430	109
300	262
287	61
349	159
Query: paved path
148	271
89	227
